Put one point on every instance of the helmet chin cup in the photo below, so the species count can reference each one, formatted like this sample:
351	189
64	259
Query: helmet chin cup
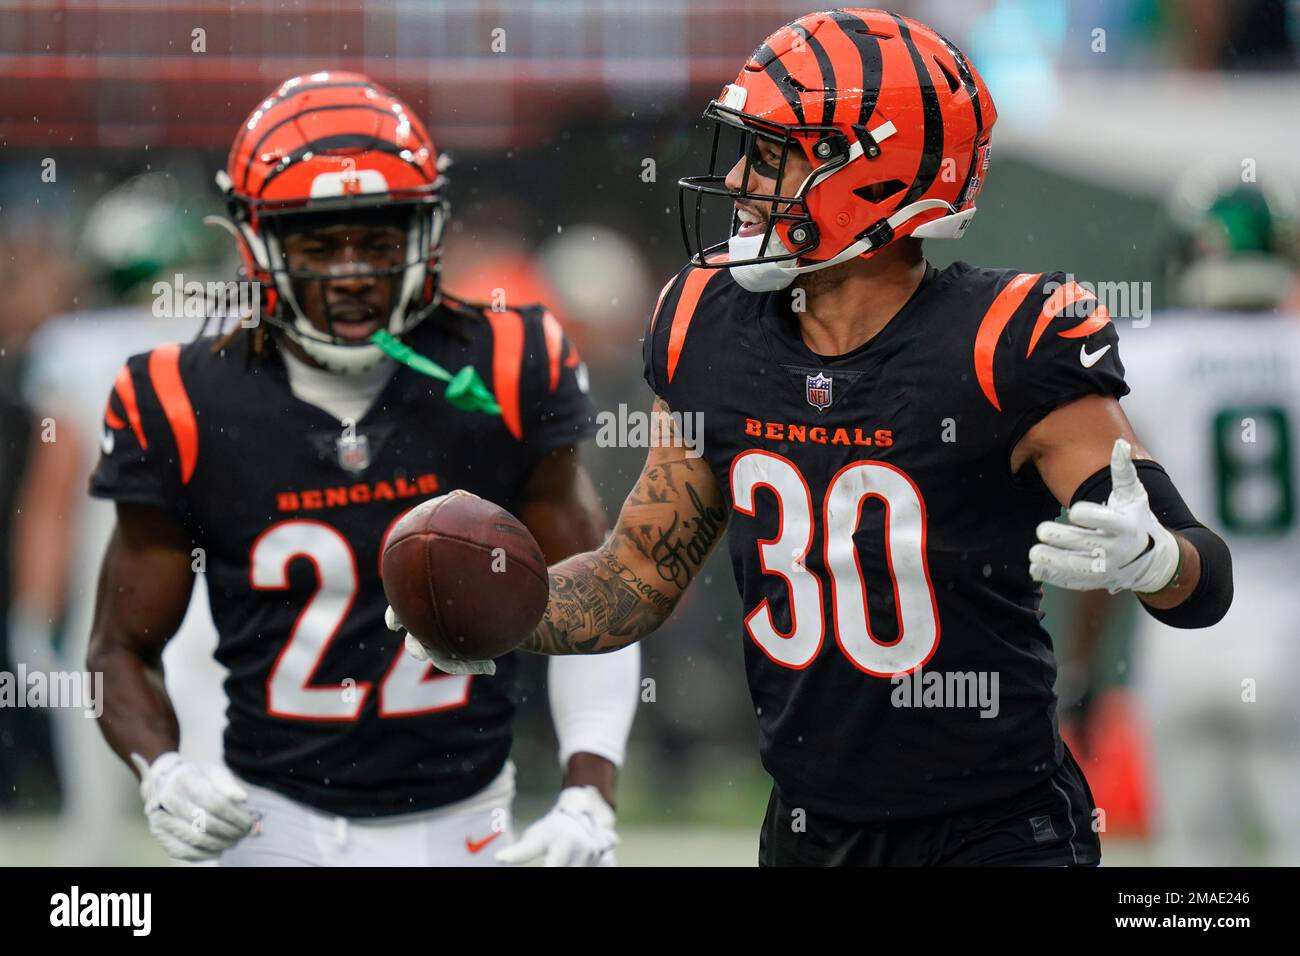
760	276
946	227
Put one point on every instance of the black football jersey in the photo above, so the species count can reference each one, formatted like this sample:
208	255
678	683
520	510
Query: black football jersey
291	511
879	539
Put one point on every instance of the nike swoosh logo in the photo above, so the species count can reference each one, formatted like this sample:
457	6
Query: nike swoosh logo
1089	359
474	846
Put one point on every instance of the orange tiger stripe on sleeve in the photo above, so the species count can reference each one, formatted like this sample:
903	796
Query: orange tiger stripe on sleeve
995	320
165	374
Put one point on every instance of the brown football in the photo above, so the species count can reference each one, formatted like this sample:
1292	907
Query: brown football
464	576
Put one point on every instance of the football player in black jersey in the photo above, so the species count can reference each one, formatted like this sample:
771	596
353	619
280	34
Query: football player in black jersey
889	444
279	456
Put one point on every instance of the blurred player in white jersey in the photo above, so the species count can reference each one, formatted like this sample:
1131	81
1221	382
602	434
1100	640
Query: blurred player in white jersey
1216	392
136	233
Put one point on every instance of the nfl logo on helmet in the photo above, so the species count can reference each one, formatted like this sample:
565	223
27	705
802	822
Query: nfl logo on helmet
819	390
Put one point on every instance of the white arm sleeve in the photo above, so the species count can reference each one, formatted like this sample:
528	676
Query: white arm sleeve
593	698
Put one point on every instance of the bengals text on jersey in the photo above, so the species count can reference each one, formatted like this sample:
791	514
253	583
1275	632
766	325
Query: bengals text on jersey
291	510
877	534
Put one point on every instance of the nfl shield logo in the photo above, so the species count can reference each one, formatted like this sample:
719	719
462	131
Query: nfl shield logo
354	452
819	391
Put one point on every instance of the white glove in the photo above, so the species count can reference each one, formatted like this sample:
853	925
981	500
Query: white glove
448	665
579	831
1119	546
195	812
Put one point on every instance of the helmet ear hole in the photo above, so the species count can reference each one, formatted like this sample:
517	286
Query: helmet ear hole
953	85
878	192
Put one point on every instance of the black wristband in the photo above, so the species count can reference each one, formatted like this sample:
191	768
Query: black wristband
1212	596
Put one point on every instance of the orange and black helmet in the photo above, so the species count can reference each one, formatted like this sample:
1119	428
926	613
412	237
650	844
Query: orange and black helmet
336	146
893	118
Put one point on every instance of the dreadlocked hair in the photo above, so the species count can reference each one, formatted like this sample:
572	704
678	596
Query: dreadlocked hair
258	348
217	309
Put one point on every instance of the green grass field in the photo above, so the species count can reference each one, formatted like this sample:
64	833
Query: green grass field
34	841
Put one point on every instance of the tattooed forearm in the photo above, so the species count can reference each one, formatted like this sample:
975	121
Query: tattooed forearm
597	604
684	545
619	593
679	493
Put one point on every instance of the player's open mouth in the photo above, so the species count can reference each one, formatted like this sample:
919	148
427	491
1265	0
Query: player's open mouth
354	329
751	223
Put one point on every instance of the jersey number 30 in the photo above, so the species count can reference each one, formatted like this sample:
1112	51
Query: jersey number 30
785	556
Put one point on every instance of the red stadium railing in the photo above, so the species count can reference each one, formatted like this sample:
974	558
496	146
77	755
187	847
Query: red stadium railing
128	74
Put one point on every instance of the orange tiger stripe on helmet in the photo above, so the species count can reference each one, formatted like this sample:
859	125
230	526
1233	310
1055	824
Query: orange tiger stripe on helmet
769	70
859	71
326	122
274	108
919	101
823	69
844	50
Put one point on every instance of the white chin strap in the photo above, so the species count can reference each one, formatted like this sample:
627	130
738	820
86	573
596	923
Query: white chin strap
772	276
